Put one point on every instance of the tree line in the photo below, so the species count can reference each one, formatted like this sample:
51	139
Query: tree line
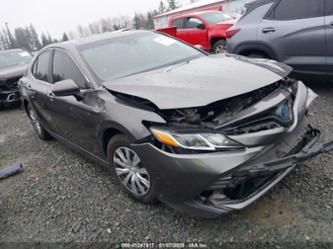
28	38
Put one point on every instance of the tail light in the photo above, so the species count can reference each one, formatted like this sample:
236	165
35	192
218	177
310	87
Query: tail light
231	32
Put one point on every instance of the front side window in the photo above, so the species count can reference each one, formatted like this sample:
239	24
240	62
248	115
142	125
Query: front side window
64	68
179	23
41	67
135	53
14	58
297	9
193	23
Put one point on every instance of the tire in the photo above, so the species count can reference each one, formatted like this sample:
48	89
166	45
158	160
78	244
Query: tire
39	129
219	46
117	146
2	106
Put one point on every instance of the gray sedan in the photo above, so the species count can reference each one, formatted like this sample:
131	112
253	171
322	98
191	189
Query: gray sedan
205	134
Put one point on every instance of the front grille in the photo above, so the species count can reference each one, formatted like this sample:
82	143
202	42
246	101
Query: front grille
10	84
267	120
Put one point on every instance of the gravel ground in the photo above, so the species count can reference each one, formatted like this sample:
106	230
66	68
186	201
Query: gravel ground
61	196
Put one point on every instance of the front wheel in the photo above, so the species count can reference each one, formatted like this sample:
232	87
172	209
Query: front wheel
41	132
131	174
219	47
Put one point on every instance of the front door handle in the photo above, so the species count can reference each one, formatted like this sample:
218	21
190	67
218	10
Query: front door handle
268	30
331	24
51	96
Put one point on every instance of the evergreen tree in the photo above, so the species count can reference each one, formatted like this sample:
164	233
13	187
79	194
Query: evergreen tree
34	40
65	37
161	8
45	41
172	4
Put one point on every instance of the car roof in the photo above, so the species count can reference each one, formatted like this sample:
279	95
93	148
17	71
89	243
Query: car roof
197	13
75	43
11	50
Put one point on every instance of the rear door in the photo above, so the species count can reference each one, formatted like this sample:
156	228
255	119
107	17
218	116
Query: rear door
329	36
181	30
295	29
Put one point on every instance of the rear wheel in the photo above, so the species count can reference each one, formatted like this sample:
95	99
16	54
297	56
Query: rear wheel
219	47
132	176
41	132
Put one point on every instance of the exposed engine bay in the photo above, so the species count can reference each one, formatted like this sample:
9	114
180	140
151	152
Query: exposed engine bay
227	114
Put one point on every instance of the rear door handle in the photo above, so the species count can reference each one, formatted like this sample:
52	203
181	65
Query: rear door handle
268	30
331	24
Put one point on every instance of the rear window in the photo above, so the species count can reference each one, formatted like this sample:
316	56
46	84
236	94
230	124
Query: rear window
179	23
216	17
297	9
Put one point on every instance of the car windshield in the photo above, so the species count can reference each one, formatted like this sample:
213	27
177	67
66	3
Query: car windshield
10	59
216	17
130	54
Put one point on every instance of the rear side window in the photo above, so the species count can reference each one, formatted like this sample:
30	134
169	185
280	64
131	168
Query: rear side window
179	23
297	9
64	68
40	68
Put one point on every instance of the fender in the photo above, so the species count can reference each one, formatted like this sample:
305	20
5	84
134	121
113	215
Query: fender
258	46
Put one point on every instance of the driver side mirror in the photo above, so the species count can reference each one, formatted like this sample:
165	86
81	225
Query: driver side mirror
201	26
67	88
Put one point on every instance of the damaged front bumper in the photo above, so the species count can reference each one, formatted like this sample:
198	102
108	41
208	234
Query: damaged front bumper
212	184
188	182
9	97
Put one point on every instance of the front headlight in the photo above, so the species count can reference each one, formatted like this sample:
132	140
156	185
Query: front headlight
195	141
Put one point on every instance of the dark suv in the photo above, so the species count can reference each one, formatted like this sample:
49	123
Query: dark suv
296	32
13	64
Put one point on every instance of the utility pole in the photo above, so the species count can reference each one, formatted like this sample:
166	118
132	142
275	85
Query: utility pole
9	36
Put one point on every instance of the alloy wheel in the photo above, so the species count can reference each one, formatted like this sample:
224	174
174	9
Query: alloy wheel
219	49
130	172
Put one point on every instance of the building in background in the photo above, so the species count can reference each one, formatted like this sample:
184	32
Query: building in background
235	6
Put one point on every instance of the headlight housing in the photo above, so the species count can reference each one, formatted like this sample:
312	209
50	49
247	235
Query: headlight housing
195	141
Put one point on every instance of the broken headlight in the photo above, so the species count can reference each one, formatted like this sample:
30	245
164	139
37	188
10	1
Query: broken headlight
195	141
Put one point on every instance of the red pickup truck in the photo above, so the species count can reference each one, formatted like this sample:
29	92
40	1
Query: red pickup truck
204	28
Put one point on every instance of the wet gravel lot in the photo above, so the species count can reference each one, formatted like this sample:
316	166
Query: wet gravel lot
61	196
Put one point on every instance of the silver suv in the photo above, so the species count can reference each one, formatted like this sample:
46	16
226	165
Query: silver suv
296	32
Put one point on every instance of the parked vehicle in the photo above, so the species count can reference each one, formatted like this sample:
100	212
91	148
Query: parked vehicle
296	32
204	28
13	63
206	134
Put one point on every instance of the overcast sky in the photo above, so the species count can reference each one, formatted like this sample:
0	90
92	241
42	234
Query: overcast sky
58	16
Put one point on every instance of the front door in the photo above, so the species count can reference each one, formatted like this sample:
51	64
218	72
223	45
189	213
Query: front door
75	119
197	32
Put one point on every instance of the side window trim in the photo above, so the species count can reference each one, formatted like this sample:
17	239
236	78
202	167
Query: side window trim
84	76
267	16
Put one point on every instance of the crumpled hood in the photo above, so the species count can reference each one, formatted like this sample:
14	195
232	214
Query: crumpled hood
11	72
201	81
